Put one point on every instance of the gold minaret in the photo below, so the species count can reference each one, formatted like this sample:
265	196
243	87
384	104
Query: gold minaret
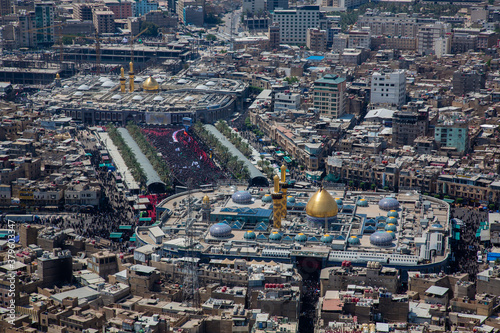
277	203
122	80
131	77
283	186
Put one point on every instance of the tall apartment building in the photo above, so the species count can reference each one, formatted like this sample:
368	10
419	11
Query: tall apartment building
5	7
274	36
254	6
442	46
44	20
335	5
465	81
142	7
389	24
329	97
316	39
104	22
294	23
54	268
359	39
388	88
83	11
407	126
453	135
122	9
27	35
276	4
428	35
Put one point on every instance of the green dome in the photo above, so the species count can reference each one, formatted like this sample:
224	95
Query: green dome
249	235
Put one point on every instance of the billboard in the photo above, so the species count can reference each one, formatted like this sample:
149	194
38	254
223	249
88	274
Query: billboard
158	118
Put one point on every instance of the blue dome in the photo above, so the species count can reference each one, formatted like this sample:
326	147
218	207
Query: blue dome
391	227
437	226
326	238
267	198
381	238
392	220
249	235
220	230
388	204
392	233
393	213
300	237
339	201
275	236
242	197
353	240
362	203
290	199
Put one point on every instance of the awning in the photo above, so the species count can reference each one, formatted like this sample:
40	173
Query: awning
145	219
125	227
116	235
132	239
449	200
287	159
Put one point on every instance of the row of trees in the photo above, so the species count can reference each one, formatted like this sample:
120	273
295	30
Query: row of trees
234	138
226	160
128	156
251	127
151	153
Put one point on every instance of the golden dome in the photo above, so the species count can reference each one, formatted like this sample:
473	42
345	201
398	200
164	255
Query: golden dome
322	204
206	199
150	84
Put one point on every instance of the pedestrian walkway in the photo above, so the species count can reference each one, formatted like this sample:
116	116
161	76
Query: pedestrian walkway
122	168
153	180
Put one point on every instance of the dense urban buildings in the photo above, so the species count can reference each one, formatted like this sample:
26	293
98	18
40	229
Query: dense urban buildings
257	166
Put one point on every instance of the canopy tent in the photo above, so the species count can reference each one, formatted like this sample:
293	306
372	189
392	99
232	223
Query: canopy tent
125	227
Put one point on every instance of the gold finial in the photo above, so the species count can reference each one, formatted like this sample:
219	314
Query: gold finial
58	77
283	173
131	64
276	184
122	72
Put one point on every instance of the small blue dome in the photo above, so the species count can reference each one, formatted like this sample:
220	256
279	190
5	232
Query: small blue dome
388	204
300	237
391	227
242	197
339	201
393	213
353	240
220	230
437	226
381	238
267	198
392	233
275	236
290	199
326	238
249	235
392	220
362	203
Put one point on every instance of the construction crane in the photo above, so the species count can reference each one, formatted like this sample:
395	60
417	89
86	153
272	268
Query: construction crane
132	44
97	40
45	28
